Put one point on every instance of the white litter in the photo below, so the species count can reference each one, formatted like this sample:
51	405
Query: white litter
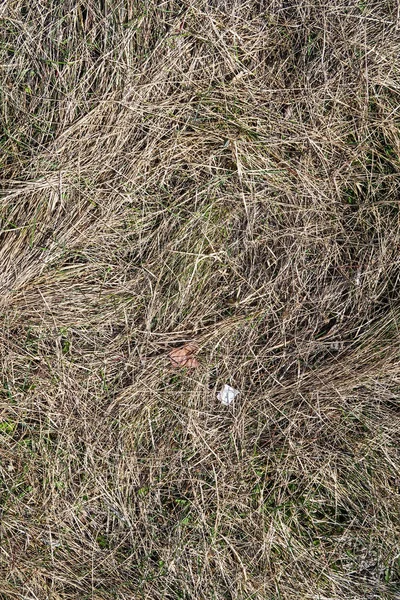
227	395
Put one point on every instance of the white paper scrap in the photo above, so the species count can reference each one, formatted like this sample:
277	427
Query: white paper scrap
227	395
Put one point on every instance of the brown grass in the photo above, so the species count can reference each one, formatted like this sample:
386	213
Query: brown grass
224	173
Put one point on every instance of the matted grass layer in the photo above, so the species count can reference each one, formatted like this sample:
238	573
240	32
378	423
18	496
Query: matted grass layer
227	174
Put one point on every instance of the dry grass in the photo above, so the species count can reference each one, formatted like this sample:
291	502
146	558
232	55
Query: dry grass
223	173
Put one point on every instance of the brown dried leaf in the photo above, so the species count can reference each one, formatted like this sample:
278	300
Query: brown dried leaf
184	357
